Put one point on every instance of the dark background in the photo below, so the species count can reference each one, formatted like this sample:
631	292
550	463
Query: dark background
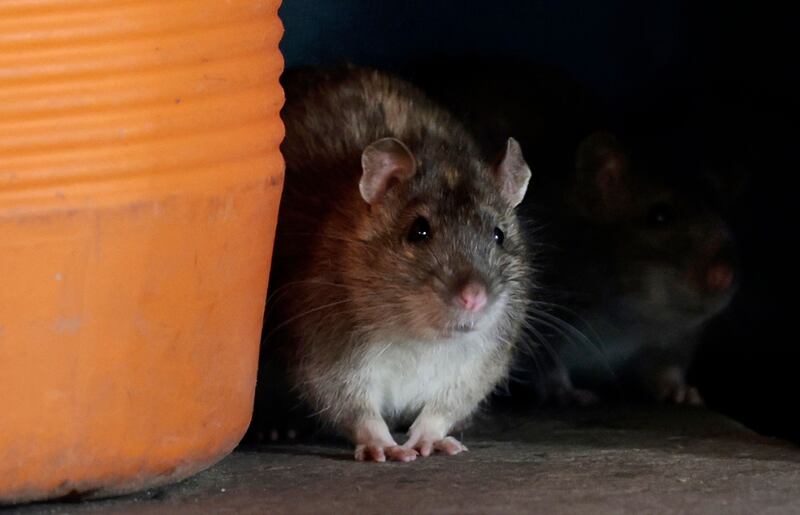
726	70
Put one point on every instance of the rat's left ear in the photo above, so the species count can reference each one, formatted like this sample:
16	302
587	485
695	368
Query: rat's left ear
513	173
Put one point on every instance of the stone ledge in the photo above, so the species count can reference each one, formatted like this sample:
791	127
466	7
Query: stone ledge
612	459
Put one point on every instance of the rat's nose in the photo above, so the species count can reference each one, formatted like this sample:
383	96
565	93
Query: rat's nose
719	277
472	297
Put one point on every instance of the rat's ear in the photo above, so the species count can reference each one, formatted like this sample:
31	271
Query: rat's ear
513	173
602	178
383	163
725	184
601	164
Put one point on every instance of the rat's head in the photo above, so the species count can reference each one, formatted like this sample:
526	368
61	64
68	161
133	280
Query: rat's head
440	253
670	257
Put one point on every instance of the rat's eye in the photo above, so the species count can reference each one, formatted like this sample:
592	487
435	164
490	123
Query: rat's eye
499	237
660	215
420	230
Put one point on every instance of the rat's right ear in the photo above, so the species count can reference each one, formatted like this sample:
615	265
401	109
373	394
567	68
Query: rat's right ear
384	162
602	175
513	173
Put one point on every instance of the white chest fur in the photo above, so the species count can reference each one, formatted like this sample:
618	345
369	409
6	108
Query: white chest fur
403	376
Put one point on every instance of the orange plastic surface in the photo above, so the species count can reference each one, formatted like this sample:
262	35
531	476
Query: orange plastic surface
140	178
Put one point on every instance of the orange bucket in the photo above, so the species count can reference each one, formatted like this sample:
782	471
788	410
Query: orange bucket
140	178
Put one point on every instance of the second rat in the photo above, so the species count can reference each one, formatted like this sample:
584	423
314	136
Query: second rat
400	274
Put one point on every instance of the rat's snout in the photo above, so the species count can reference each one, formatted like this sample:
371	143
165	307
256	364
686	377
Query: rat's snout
472	296
719	277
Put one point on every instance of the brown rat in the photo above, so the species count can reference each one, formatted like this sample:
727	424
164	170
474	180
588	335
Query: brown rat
645	261
400	275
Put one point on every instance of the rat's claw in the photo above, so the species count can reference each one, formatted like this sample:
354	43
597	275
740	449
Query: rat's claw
449	446
425	448
399	453
686	395
380	453
369	453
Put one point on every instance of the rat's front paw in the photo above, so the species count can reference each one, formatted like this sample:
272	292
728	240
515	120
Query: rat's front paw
380	453
685	395
672	388
447	445
556	389
429	433
570	396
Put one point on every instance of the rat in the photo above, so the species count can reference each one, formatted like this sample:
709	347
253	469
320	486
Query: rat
400	274
644	261
637	257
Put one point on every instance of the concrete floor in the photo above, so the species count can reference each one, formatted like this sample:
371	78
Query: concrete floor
602	460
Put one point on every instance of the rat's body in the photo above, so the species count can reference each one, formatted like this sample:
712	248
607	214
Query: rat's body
394	300
639	261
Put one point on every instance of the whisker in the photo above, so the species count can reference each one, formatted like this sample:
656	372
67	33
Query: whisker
552	353
325	236
570	312
556	324
303	314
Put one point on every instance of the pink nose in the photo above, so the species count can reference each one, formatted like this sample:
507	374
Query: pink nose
719	277
472	297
